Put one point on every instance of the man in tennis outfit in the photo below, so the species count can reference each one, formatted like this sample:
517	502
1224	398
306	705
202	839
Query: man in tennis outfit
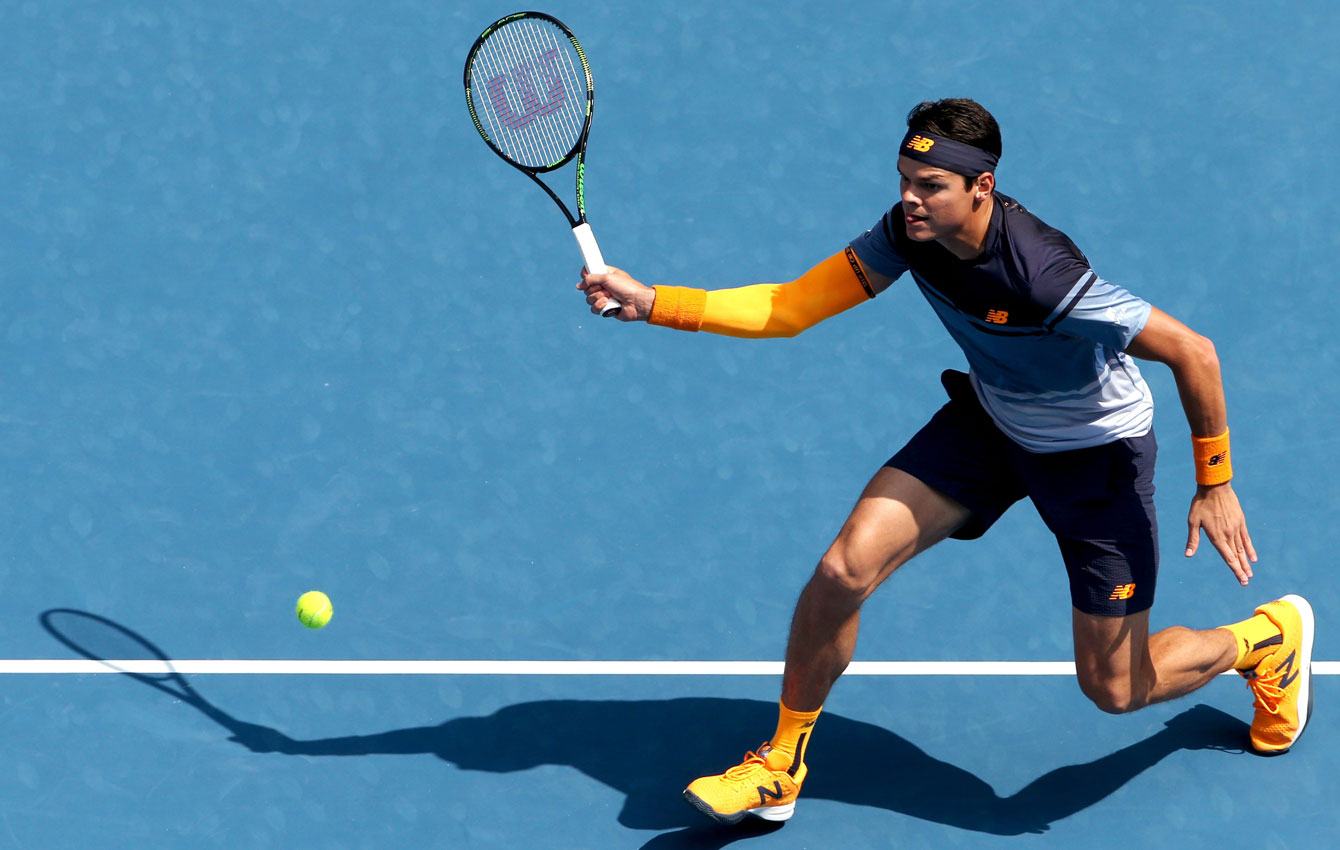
1053	408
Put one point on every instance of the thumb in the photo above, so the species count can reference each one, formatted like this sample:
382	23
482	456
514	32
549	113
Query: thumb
1192	540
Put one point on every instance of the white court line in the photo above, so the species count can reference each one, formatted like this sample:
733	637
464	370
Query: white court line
544	668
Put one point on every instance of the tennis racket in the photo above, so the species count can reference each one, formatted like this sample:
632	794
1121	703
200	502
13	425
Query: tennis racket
534	108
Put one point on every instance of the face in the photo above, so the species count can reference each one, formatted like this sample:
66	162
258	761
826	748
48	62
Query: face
935	202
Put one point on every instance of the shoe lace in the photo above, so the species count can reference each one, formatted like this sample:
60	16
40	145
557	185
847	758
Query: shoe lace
1266	690
743	771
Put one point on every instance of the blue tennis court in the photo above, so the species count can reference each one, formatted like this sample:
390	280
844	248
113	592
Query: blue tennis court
275	319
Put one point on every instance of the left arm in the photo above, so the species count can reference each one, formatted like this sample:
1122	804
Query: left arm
1195	368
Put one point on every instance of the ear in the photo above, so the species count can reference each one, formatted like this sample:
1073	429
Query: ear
983	186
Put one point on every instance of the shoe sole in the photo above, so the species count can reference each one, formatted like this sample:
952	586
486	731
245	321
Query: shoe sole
1304	668
776	814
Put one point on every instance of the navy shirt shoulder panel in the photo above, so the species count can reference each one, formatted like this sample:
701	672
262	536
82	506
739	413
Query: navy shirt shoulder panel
1046	259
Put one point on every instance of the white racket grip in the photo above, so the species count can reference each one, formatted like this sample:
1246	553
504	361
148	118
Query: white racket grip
595	263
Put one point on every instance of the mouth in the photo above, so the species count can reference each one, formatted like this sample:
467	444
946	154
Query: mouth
913	220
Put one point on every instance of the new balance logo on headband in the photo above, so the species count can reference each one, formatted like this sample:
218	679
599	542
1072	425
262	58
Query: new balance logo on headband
940	152
920	143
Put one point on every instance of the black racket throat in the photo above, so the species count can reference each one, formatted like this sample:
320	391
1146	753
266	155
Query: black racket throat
573	221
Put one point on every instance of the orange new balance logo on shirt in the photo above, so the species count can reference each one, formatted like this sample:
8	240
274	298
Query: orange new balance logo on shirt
1122	591
997	317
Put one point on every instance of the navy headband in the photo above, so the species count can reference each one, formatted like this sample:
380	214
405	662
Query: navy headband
947	153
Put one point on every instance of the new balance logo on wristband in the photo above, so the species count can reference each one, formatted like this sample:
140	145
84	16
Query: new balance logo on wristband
1215	460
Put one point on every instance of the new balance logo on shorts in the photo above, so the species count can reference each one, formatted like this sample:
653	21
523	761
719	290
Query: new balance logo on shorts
997	317
1122	591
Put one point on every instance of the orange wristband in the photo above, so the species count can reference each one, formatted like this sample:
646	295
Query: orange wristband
679	307
1213	463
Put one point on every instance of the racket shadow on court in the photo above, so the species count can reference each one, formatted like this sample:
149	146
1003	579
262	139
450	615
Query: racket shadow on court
649	749
108	642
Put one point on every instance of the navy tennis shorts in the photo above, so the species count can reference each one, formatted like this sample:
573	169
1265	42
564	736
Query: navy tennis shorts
1099	501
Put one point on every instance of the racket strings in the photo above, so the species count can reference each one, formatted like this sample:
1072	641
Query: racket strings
544	145
532	94
541	135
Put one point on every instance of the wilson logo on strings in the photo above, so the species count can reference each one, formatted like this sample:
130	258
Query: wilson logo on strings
523	80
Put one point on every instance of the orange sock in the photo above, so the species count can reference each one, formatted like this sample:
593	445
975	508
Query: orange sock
1256	638
791	738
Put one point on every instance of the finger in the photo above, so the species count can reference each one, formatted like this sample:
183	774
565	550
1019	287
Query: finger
1192	539
1229	552
1244	566
1240	545
1247	538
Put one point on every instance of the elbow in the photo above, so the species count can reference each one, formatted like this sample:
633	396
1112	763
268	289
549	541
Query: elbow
1201	351
1194	359
789	322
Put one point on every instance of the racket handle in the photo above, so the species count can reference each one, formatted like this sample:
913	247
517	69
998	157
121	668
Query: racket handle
595	263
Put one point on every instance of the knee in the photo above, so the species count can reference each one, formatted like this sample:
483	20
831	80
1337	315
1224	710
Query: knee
1112	694
841	576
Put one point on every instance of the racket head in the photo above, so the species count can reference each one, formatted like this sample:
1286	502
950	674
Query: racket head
529	90
107	642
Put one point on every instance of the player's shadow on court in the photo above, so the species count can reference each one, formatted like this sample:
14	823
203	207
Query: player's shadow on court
649	749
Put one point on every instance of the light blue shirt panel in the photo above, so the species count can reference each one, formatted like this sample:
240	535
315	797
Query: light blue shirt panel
1107	314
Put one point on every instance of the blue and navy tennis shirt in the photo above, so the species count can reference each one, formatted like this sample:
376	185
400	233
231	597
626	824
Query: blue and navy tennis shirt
1043	333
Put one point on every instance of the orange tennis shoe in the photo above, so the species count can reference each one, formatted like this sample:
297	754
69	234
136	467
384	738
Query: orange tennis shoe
1282	681
749	788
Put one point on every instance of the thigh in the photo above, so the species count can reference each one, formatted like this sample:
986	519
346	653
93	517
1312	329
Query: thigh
896	517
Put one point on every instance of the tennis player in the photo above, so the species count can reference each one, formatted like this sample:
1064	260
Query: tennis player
1053	408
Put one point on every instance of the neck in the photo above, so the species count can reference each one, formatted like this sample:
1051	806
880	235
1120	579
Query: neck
969	241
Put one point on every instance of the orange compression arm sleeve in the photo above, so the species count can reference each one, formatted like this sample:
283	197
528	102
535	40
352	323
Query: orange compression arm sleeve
766	309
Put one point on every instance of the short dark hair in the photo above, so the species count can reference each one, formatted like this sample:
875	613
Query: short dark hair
960	119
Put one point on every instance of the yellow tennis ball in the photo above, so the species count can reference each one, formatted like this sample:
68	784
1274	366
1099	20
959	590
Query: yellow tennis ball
314	609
